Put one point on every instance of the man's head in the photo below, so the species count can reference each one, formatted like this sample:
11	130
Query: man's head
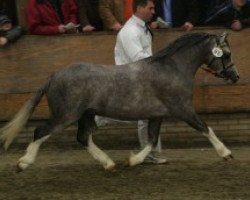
144	9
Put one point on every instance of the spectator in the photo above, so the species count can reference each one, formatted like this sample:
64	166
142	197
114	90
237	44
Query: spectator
8	7
112	14
229	13
48	17
88	15
177	13
134	42
246	14
8	32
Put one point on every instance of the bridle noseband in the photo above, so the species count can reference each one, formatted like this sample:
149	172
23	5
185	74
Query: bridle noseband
215	73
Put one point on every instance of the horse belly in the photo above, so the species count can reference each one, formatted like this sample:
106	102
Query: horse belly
131	110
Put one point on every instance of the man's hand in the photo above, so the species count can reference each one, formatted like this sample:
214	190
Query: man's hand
3	41
61	28
88	28
236	25
188	26
116	26
154	25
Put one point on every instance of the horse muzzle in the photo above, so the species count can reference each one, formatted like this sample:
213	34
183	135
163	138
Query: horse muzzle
233	76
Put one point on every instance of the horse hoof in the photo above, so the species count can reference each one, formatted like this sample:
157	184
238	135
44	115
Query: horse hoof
18	168
110	168
133	161
21	166
228	158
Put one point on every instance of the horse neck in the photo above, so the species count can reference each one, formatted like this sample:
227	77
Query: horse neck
189	61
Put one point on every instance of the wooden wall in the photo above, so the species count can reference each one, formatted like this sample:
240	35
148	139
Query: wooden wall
26	64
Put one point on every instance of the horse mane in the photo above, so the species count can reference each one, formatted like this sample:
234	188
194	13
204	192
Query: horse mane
183	43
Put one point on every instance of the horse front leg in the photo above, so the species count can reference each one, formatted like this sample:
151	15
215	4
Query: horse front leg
153	135
220	148
194	121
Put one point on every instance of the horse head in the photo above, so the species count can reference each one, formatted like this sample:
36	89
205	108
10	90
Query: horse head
220	61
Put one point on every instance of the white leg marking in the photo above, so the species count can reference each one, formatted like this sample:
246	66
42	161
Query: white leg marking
99	155
139	158
221	149
31	153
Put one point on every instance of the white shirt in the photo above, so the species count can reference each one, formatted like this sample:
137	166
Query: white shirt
133	42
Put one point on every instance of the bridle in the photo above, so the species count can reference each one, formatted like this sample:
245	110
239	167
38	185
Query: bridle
225	68
215	73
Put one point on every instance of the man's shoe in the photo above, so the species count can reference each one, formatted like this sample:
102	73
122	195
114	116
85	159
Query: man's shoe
153	159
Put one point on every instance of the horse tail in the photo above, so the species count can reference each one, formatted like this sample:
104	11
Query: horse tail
12	128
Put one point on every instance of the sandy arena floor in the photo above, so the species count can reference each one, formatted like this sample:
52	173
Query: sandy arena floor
191	174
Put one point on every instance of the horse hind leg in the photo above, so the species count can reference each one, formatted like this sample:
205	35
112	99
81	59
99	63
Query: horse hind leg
30	155
86	126
153	135
41	134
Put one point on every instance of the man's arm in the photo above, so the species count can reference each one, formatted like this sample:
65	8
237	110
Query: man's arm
132	46
14	34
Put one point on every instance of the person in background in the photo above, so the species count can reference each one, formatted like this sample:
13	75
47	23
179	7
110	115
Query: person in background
8	7
134	42
49	17
246	15
229	13
8	32
177	13
112	14
88	15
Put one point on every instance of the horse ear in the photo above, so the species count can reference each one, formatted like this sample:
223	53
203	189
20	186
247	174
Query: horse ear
223	37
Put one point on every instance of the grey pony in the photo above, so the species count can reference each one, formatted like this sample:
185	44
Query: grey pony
154	88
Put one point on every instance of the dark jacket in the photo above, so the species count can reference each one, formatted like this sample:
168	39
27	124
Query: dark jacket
88	13
13	34
43	19
8	7
246	14
221	12
182	11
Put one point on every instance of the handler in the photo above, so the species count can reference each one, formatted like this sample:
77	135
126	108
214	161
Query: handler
134	42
